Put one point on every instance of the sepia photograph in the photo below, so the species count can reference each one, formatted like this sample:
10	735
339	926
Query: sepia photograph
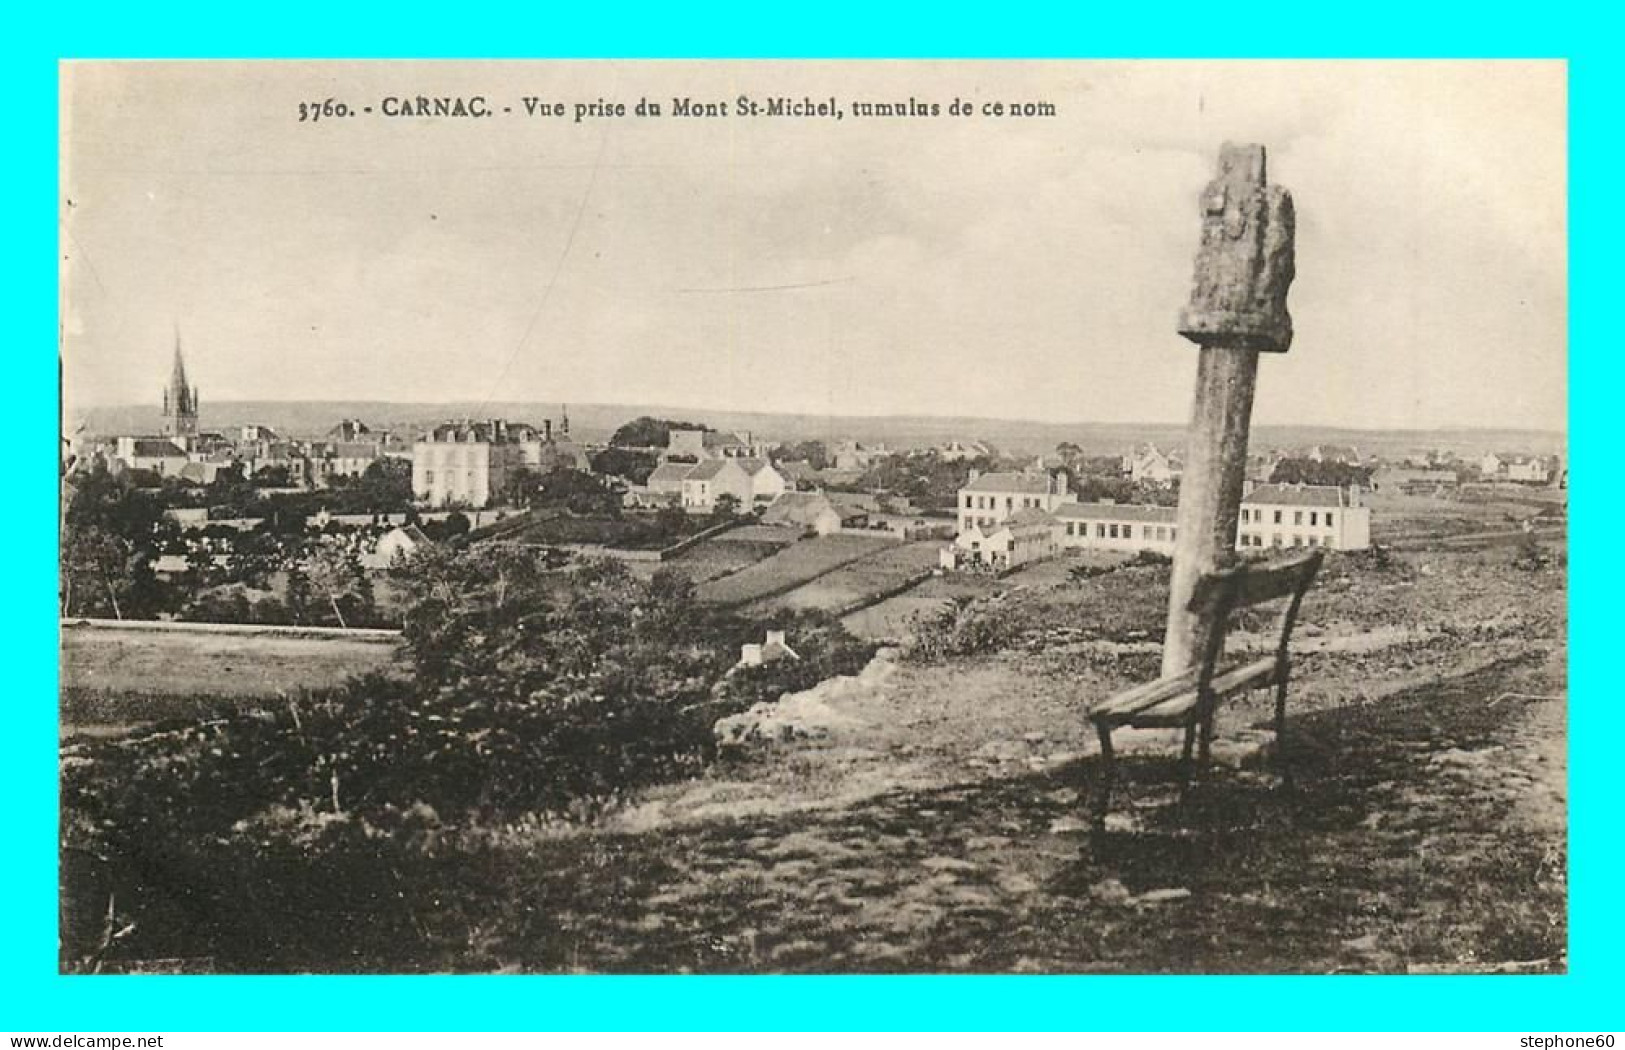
813	516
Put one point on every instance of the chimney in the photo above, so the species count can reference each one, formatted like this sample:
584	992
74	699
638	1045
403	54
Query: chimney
775	638
975	473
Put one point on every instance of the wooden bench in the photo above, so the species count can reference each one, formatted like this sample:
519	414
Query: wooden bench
1189	700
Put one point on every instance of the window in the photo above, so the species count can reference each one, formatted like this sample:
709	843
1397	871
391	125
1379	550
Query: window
1009	503
1071	528
1277	521
1297	517
1100	530
1328	519
968	502
1275	540
1314	518
428	477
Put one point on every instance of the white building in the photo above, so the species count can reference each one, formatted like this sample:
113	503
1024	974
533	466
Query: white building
1027	535
750	481
1304	516
1271	516
464	463
1116	527
398	543
988	499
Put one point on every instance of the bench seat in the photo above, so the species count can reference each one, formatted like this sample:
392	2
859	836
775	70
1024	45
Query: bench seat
1188	700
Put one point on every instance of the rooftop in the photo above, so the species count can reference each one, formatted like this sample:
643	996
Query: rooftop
1011	481
1116	512
1297	496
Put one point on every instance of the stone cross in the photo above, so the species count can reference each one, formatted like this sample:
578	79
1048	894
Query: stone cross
1244	266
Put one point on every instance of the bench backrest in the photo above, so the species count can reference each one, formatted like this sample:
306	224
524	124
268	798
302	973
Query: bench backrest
1219	594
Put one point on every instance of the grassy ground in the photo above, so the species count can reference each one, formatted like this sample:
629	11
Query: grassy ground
878	572
791	567
114	678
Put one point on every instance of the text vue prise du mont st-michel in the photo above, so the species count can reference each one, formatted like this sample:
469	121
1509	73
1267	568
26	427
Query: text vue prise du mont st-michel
477	107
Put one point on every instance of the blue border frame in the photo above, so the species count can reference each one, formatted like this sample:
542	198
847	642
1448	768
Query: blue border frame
33	996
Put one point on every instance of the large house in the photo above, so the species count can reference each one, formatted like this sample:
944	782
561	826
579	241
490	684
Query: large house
1304	516
1150	464
465	462
750	481
989	498
468	462
1515	466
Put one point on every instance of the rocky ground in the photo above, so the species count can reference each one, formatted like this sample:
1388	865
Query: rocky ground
935	823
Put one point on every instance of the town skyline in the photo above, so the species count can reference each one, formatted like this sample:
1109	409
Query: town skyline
852	269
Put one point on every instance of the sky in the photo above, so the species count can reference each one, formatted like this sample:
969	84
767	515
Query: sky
1006	267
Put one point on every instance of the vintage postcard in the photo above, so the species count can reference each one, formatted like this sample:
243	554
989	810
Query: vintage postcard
813	517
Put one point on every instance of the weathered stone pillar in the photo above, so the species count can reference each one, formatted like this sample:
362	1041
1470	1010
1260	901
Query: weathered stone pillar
1237	309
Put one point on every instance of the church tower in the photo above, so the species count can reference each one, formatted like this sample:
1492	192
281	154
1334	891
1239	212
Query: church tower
180	400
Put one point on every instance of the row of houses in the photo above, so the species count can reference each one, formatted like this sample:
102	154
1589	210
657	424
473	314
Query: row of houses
348	449
697	487
1008	519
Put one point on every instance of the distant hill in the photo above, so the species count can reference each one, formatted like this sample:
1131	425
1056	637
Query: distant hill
595	423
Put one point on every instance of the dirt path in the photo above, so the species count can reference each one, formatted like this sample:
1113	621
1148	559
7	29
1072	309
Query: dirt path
940	831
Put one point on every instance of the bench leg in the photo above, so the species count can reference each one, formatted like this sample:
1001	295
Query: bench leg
1103	785
1281	767
1204	742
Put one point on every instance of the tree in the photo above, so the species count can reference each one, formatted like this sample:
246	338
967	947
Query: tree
635	465
649	432
814	453
520	486
272	476
580	493
1302	471
335	574
93	564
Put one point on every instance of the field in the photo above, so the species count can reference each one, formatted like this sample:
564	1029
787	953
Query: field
856	581
934	821
116	677
893	618
729	552
794	565
1421	521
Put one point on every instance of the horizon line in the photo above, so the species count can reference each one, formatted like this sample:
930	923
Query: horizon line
915	416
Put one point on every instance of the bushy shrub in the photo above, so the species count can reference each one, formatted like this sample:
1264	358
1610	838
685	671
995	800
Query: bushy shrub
535	693
970	627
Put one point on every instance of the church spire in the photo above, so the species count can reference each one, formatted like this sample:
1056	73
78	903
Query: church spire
180	398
